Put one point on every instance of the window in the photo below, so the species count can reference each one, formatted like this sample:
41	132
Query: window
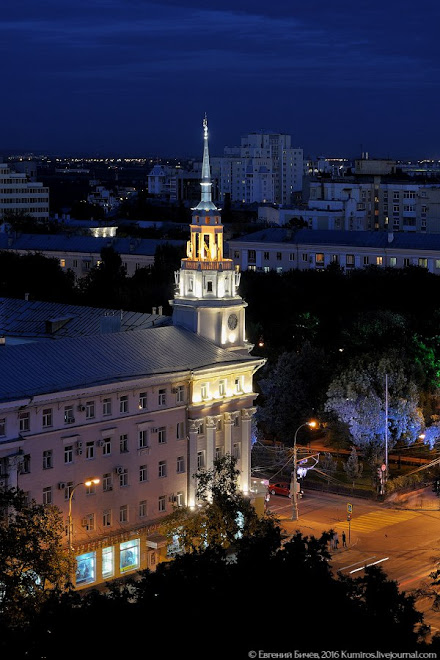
162	397
180	430
423	262
209	286
237	384
123	478
90	449
379	261
393	261
236	450
91	489
305	257
266	256
107	483
279	256
218	453
62	263
161	503
123	514
200	460
204	390
47	495
437	263
291	256
47	459
143	509
222	388
162	472
3	426
366	261
68	490
89	522
123	443
142	439
142	401
90	409
47	417
106	406
108	562
68	415
123	404
24	422
349	260
86	568
180	464
25	465
106	446
68	454
179	499
107	518
162	435
143	473
252	256
236	254
335	258
180	394
406	262
319	259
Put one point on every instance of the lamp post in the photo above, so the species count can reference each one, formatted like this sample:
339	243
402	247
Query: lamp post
69	520
294	481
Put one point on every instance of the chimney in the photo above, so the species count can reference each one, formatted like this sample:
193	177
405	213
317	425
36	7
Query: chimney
159	310
154	310
2	340
26	296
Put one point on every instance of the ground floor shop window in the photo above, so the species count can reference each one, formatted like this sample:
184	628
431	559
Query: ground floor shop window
129	557
86	568
108	562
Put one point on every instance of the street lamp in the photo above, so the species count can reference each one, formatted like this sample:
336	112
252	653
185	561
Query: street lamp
294	482
69	521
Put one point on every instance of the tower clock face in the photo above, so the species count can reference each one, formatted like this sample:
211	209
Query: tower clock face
232	321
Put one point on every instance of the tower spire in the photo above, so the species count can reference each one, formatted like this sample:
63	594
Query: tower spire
206	202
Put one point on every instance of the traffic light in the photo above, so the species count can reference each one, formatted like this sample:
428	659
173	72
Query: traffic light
436	485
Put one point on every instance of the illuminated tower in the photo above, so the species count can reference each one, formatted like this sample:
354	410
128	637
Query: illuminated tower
206	299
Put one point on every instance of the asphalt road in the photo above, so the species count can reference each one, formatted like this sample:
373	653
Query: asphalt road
405	541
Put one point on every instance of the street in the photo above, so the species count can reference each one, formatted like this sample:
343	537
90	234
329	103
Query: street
405	542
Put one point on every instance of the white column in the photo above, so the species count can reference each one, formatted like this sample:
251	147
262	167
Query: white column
211	427
192	460
227	423
246	426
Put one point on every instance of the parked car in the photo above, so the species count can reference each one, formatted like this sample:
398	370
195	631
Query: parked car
280	488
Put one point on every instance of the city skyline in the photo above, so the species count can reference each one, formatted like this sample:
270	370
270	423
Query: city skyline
135	78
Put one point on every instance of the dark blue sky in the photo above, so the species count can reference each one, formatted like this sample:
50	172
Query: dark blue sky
134	77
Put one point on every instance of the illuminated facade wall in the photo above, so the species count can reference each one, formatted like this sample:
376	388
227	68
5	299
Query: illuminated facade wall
19	195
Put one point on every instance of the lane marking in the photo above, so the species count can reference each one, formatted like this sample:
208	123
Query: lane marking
356	562
379	561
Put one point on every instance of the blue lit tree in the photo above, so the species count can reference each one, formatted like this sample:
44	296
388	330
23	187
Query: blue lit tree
357	397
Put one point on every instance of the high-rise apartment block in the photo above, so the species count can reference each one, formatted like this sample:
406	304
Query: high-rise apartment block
265	168
21	195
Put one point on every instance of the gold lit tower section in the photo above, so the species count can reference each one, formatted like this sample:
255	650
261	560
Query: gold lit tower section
206	299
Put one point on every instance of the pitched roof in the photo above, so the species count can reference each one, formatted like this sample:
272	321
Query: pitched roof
31	369
36	319
375	239
87	244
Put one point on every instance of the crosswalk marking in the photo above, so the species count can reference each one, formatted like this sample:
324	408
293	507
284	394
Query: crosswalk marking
368	522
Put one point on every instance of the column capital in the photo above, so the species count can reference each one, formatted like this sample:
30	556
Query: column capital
248	413
211	422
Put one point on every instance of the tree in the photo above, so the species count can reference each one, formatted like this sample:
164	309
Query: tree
32	559
225	516
105	285
328	465
357	397
352	467
292	391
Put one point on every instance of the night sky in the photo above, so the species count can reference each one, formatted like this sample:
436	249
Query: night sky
134	78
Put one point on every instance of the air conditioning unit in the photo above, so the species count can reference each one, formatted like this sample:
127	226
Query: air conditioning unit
119	469
100	443
81	408
79	445
84	522
154	430
172	498
79	452
61	485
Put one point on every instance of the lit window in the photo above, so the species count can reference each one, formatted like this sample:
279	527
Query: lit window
86	568
62	263
379	261
142	400
108	562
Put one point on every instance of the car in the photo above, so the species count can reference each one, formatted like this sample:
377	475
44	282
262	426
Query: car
279	488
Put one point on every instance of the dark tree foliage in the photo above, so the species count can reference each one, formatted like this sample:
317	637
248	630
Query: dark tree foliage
206	605
40	277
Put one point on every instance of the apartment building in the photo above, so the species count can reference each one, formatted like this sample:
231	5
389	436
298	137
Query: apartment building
19	194
282	249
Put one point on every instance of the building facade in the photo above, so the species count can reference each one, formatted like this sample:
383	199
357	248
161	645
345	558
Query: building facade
19	194
139	413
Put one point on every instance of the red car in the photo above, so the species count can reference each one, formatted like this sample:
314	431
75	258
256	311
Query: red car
280	488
